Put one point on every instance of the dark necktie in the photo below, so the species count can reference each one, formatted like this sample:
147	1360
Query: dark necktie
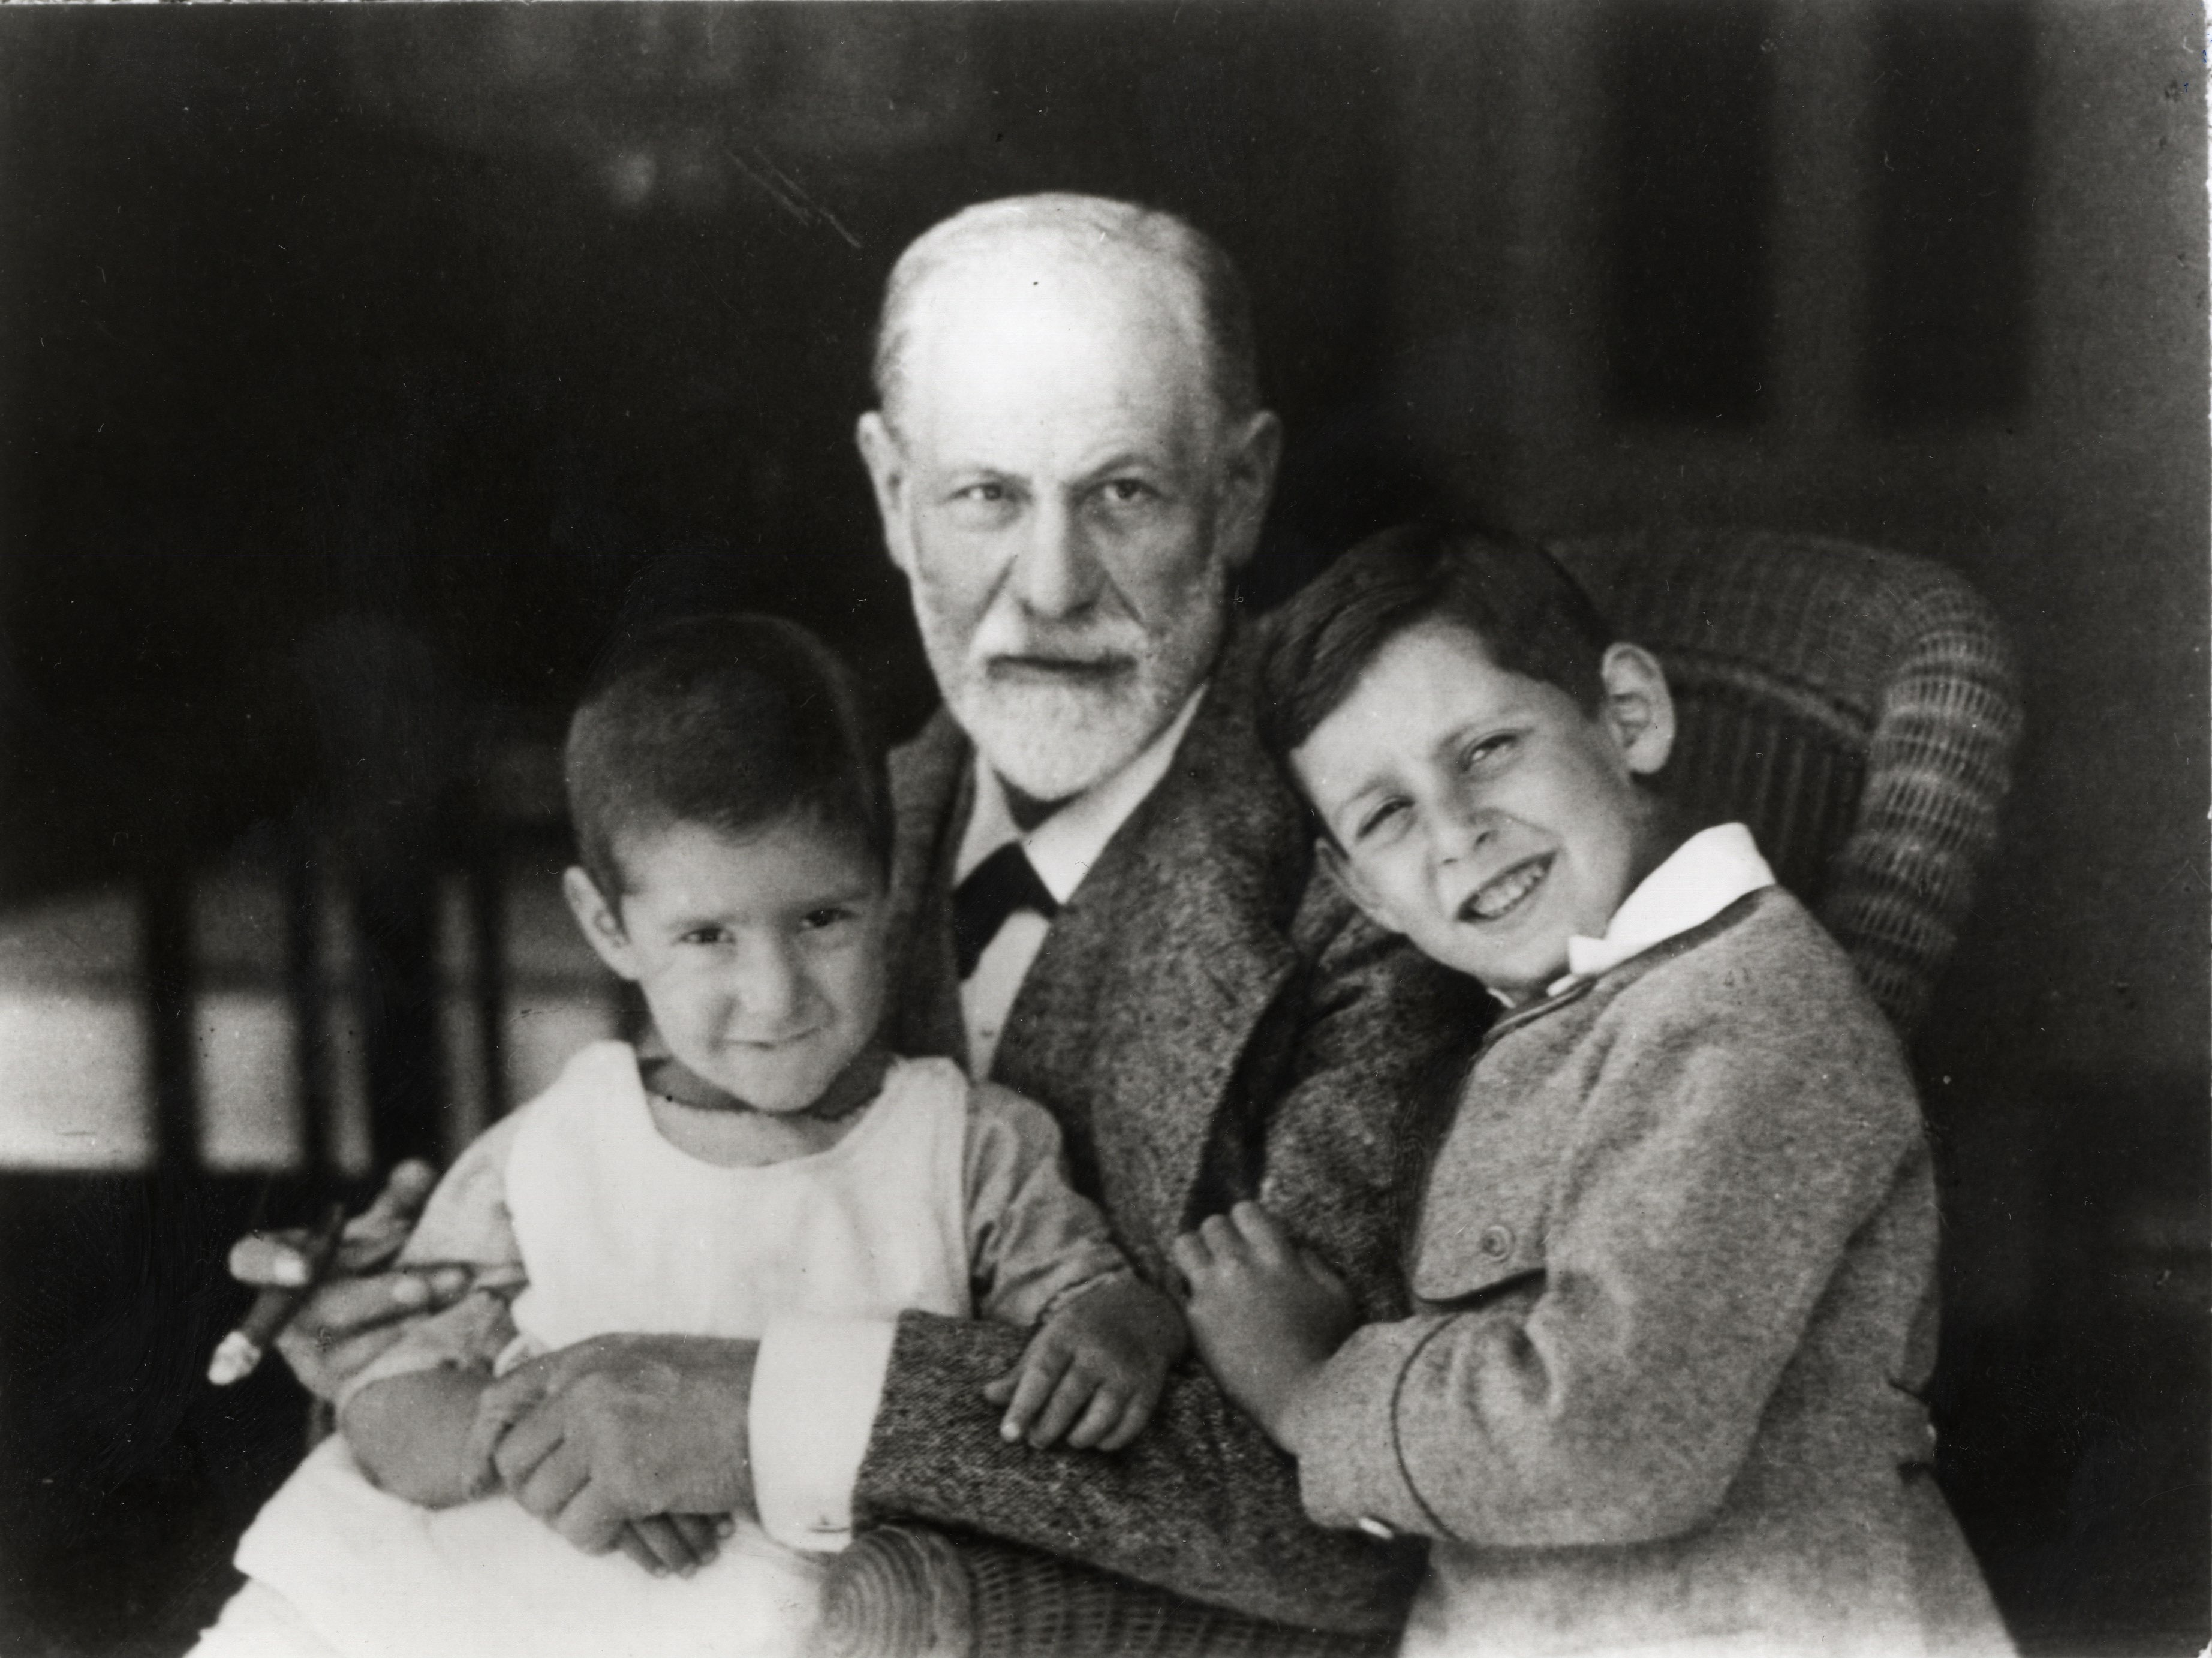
1002	883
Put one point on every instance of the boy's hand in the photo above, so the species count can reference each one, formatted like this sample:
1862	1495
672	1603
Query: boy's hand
1094	1370
1266	1314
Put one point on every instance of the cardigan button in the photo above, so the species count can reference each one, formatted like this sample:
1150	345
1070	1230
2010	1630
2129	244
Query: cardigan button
1381	1530
1496	1242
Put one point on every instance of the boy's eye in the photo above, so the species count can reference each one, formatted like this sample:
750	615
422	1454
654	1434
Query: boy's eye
1487	748
828	916
706	935
1386	815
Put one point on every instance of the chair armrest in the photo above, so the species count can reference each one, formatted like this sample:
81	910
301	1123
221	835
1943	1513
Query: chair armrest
913	1592
898	1592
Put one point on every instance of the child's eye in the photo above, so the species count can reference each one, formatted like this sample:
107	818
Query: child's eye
1385	816
706	935
1487	749
828	916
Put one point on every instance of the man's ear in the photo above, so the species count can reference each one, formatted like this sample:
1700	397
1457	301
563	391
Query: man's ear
1639	709
887	470
1250	452
603	927
1352	884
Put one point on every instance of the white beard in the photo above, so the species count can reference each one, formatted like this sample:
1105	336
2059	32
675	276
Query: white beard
1053	739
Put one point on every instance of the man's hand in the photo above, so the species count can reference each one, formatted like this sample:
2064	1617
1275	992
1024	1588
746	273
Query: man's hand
623	1428
1265	1313
1094	1369
356	1313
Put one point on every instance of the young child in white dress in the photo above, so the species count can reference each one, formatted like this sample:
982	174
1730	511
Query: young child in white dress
758	1157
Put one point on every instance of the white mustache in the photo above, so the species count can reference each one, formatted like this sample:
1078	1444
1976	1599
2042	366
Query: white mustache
1099	645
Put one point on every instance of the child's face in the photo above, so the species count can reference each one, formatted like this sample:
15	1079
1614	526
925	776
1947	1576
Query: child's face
1483	815
761	959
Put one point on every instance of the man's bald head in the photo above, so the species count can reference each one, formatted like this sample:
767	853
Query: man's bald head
1195	281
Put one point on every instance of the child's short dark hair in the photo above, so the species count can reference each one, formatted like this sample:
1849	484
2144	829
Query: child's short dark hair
734	722
1530	614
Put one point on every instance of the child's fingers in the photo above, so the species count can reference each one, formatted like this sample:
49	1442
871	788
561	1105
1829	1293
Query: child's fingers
669	1549
1263	1234
1191	1256
1222	1239
1068	1402
1100	1417
1137	1412
1322	1273
1041	1369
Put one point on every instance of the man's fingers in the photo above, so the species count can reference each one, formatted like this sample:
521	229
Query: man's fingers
517	1450
1190	1255
1000	1387
590	1520
549	1484
1100	1417
271	1259
406	1190
665	1546
633	1547
701	1534
1041	1371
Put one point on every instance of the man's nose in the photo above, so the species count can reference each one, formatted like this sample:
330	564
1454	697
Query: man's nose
1057	573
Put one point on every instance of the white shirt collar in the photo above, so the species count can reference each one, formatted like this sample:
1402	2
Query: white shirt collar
1064	846
1706	873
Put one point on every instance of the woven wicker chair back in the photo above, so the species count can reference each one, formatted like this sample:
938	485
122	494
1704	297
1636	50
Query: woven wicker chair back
1856	707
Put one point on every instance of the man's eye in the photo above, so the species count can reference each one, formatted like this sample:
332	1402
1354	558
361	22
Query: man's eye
1124	492
983	494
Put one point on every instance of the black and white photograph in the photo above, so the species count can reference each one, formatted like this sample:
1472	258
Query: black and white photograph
1105	829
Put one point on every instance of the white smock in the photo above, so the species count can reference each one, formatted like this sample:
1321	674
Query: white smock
621	1231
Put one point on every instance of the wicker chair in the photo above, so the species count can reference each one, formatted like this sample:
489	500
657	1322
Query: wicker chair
1858	709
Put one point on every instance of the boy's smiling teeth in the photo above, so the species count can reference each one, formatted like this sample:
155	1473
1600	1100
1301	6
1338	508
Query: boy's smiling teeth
1492	899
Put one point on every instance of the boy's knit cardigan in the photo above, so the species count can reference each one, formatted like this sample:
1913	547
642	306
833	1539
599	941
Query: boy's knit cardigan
1674	1277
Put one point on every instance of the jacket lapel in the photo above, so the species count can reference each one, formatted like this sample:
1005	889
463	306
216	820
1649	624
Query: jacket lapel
1133	1019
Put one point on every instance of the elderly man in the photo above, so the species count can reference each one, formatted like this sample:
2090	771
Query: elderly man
1104	898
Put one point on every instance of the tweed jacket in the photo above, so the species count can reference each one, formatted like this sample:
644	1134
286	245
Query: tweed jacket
1208	1019
1674	1280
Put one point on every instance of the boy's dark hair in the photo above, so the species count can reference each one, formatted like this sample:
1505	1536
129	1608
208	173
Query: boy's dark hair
1530	615
734	722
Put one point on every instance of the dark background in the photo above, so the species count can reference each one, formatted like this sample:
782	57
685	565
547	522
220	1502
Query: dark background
359	369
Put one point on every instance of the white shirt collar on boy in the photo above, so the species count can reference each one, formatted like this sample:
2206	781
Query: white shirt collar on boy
1061	849
1705	874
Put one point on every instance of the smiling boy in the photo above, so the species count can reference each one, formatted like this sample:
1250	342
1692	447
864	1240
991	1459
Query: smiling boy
1674	1264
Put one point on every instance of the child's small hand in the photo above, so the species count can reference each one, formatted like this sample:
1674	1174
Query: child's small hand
1266	1314
1094	1370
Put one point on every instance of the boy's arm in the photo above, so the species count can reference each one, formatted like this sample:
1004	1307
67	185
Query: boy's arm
410	1434
1715	1180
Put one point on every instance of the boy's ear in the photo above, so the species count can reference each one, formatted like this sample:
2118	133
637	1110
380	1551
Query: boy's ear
602	925
1352	884
1639	709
